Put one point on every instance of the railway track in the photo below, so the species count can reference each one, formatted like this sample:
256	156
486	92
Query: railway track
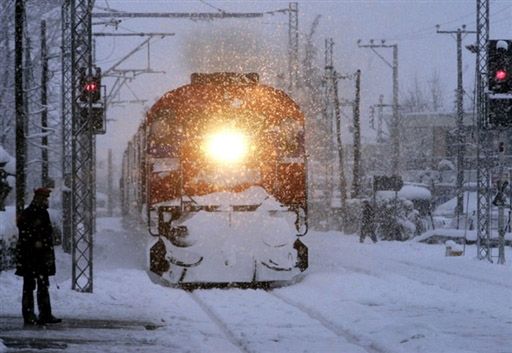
368	346
214	317
268	301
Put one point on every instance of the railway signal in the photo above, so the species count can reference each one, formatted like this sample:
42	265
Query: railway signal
499	71
90	86
499	66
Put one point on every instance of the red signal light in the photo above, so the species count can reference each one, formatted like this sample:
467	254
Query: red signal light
501	75
90	87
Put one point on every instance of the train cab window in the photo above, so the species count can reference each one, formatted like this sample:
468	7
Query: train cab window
291	141
163	135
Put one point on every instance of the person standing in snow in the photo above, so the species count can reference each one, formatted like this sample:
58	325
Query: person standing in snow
4	186
367	223
35	258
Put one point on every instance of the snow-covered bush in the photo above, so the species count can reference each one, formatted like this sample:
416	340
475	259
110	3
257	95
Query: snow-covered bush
8	238
8	253
397	219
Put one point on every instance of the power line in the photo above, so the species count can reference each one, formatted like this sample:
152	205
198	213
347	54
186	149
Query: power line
210	5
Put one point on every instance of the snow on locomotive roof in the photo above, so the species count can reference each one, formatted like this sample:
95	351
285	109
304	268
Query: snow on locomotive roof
218	92
224	78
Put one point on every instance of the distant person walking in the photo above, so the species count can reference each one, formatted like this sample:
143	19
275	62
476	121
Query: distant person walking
35	258
367	223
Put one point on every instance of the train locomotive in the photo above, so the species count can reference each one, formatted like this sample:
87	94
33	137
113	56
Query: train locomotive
217	170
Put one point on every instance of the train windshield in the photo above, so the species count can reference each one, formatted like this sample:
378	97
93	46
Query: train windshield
164	136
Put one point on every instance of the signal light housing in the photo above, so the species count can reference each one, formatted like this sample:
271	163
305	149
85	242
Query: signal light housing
90	86
499	64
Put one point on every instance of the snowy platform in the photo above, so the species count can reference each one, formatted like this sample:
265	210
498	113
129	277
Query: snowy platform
102	334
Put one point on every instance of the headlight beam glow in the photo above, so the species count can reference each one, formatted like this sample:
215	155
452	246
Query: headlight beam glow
227	146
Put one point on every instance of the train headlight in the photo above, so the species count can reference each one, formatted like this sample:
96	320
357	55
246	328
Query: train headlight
227	146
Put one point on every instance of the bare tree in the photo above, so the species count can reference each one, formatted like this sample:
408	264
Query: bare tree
423	97
436	92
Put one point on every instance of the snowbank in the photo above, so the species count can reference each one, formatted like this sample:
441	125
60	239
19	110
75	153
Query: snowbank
8	223
413	192
408	192
10	166
440	235
448	208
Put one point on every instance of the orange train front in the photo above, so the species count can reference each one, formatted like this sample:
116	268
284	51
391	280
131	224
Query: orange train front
218	169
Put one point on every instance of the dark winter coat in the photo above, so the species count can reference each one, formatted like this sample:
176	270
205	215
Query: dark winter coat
34	251
368	219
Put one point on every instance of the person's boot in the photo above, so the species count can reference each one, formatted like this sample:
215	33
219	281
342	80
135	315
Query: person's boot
45	308
27	308
43	320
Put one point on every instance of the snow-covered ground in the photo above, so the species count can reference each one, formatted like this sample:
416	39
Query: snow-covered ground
388	297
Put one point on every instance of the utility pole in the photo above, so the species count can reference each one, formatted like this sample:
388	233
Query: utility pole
356	180
380	116
395	124
459	120
110	196
293	44
380	161
332	111
21	115
328	113
66	123
339	146
44	106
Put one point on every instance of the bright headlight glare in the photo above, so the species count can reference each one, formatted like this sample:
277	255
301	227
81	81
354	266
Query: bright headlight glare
227	146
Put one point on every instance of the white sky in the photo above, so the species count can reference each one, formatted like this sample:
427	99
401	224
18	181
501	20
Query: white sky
410	24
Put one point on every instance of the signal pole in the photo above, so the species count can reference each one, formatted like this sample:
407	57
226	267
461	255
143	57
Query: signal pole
460	120
44	106
110	196
395	123
21	114
356	180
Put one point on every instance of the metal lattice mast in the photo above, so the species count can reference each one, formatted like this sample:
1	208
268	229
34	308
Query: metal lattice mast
484	154
293	44
66	99
82	149
395	122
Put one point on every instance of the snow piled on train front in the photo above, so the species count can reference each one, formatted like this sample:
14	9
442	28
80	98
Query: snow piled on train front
234	246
